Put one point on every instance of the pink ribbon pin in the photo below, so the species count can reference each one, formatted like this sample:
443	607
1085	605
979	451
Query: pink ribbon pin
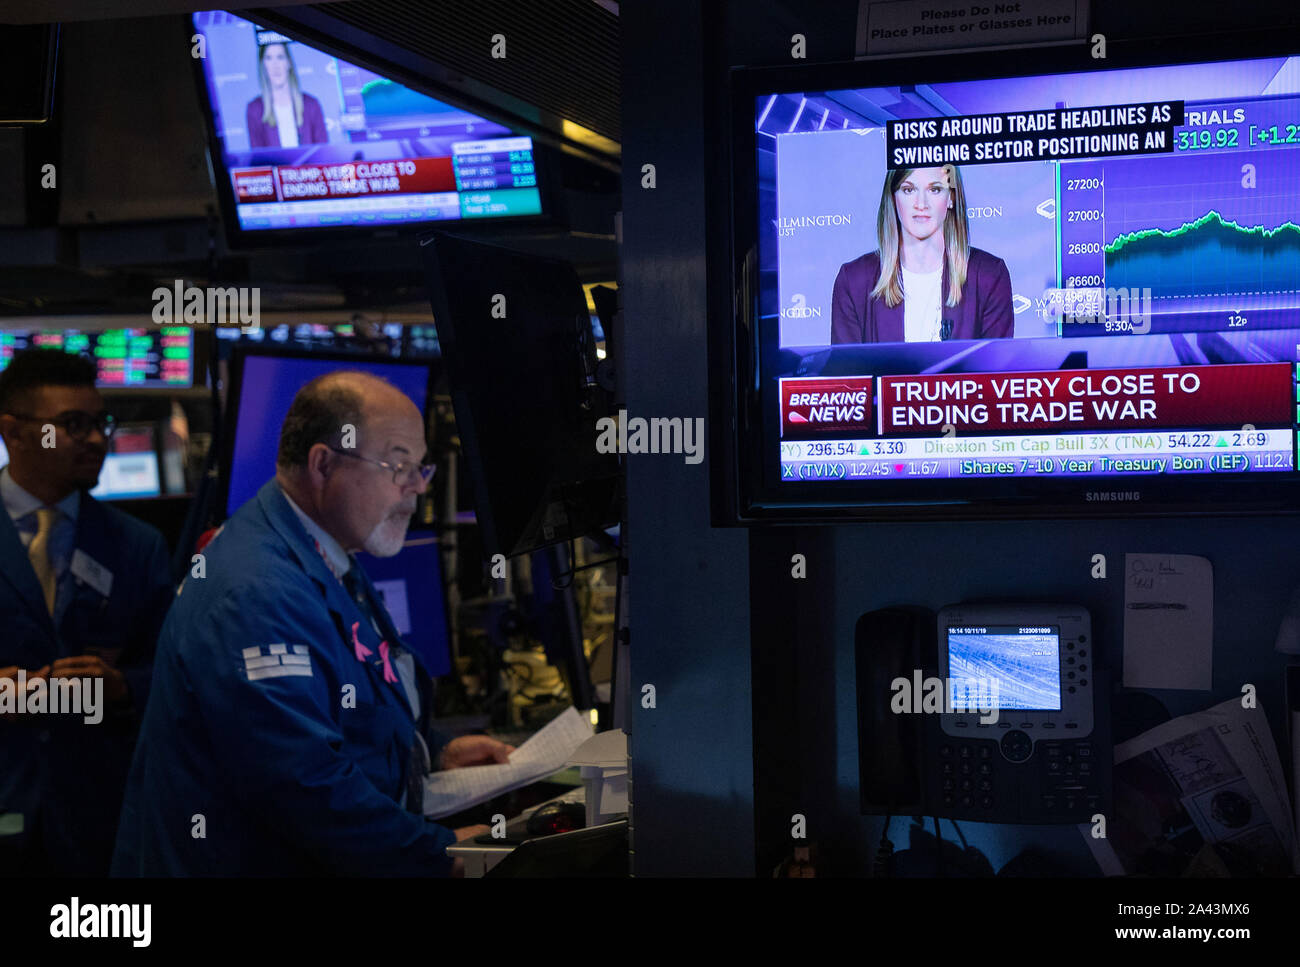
362	651
388	668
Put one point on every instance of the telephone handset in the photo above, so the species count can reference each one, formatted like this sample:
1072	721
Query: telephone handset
993	713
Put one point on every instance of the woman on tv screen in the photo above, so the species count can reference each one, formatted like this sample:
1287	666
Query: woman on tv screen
283	116
925	282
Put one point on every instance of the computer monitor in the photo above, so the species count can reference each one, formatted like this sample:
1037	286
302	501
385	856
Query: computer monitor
359	152
517	341
263	385
1112	327
131	468
411	585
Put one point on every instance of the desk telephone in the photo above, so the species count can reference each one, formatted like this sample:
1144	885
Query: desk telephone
1012	723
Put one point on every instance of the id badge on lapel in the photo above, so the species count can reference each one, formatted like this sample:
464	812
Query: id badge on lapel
87	623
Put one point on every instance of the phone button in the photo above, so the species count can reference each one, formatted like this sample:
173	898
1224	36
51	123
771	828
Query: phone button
1017	746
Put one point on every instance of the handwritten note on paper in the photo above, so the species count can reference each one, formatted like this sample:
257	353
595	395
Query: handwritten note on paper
1168	621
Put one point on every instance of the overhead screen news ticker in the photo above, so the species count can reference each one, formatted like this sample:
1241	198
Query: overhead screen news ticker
1131	295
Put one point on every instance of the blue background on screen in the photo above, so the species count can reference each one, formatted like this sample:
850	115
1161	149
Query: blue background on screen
266	390
1027	667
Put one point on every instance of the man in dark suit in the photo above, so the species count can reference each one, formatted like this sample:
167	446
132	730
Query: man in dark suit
84	589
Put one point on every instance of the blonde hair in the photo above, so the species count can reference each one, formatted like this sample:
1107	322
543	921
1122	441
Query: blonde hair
268	103
956	238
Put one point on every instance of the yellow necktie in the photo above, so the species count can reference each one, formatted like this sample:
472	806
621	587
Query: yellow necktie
38	552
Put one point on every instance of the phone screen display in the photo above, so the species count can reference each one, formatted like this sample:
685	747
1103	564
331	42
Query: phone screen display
1004	667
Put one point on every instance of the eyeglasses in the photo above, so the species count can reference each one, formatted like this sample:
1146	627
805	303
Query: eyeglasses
77	423
404	474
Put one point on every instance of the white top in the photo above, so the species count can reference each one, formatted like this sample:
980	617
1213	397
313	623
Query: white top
285	124
922	305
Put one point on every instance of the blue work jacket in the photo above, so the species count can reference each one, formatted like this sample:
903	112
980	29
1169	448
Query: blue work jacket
273	743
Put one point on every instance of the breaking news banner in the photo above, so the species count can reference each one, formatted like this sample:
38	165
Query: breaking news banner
1159	397
1182	396
1055	134
350	180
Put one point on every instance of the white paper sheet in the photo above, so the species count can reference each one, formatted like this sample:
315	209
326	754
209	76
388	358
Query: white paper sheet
546	752
1168	621
1224	754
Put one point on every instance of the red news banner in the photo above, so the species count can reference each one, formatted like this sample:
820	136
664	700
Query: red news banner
349	179
1056	400
1088	399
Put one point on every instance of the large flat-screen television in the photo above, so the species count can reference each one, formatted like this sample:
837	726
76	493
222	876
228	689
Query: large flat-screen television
305	140
1024	283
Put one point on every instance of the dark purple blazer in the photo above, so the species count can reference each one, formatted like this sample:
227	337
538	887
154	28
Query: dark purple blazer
983	313
311	131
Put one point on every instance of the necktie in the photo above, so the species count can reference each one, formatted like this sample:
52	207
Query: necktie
417	759
38	552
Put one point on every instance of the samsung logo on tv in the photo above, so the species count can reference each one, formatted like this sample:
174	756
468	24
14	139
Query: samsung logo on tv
1112	495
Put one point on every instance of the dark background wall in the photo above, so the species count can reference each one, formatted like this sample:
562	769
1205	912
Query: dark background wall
739	742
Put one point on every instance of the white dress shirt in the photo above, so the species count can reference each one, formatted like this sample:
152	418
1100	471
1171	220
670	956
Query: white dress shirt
21	507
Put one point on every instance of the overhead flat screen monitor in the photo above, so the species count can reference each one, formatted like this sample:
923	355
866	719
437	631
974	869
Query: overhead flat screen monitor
306	140
265	385
155	358
517	341
1074	288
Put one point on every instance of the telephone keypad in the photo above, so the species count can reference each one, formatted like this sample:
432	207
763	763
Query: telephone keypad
1068	781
